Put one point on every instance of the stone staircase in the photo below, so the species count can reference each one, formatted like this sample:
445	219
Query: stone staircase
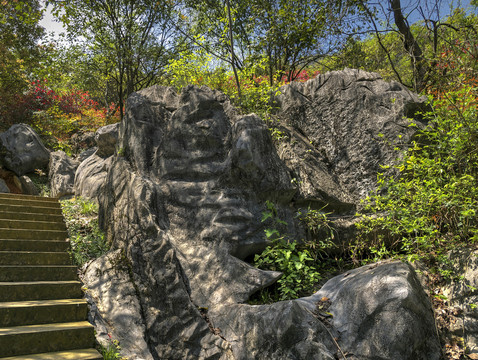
42	313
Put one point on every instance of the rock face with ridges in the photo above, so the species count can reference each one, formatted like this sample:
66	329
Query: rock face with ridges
341	127
461	298
90	176
61	174
21	150
182	207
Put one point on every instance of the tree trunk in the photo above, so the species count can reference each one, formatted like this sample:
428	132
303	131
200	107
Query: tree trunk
411	45
233	61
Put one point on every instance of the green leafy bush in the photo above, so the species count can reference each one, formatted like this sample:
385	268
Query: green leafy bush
301	262
87	240
111	351
429	206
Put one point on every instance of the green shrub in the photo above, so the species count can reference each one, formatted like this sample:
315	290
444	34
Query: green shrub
111	351
429	206
87	240
301	262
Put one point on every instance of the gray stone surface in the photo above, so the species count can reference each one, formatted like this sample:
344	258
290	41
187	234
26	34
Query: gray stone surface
82	141
342	126
183	200
381	311
462	299
106	138
3	187
111	291
378	311
90	176
21	150
26	185
86	154
61	174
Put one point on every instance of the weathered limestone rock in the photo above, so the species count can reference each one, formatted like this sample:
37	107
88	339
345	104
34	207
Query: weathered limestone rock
106	138
183	200
341	127
82	141
86	154
3	187
113	293
90	176
61	174
26	185
21	150
378	311
91	173
462	299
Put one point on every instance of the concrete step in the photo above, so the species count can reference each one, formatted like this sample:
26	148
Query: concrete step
39	290
37	209
32	225
34	339
34	201
29	234
17	273
42	312
27	197
30	216
82	354
34	258
35	245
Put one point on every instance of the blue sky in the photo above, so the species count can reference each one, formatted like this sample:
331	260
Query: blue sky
411	7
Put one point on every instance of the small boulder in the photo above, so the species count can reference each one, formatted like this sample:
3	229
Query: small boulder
26	185
3	187
85	154
380	311
90	176
82	141
106	138
21	150
62	174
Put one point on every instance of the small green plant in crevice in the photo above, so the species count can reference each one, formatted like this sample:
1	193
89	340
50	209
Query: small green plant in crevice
292	258
112	351
319	226
40	180
87	240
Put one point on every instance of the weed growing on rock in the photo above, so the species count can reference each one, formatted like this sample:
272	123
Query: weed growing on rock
299	261
112	351
429	206
87	240
427	210
40	180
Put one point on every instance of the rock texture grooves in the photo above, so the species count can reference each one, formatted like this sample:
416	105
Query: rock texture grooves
182	207
342	126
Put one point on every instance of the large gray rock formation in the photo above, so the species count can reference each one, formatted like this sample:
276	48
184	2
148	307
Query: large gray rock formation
21	150
377	311
61	174
340	127
182	204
